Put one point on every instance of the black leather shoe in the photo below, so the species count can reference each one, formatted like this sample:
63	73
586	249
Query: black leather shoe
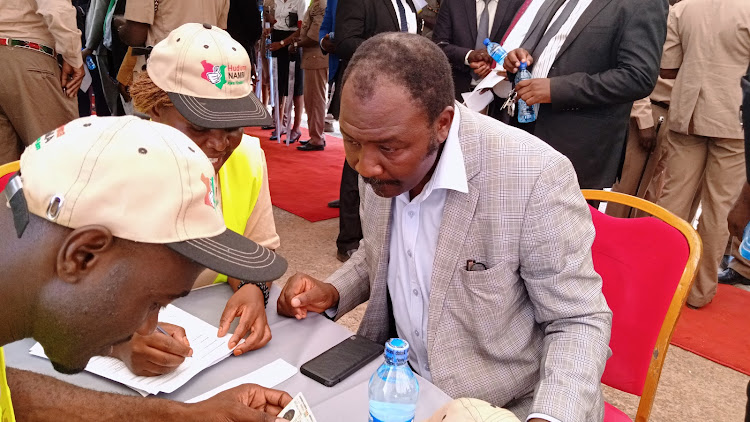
307	140
268	127
334	204
730	276
311	147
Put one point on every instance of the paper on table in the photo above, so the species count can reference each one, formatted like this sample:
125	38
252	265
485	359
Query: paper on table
268	376
208	350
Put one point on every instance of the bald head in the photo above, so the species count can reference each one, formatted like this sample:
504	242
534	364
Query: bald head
407	60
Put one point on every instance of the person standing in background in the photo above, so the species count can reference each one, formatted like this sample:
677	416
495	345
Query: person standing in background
357	21
285	31
36	94
315	67
146	22
705	150
643	169
325	38
460	33
589	61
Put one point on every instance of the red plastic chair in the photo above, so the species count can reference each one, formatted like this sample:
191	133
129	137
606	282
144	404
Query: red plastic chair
647	265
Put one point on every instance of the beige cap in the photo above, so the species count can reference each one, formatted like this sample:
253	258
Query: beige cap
207	75
472	410
145	182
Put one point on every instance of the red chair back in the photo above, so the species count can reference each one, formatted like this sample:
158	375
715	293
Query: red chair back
641	261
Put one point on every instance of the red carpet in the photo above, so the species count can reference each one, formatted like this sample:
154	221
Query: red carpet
303	182
718	331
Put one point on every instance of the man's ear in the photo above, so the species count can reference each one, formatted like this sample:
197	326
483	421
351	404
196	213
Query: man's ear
81	251
444	121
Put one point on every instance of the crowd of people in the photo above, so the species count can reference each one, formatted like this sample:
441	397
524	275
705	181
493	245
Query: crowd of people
460	227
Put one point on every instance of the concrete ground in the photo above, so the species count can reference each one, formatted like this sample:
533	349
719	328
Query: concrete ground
691	388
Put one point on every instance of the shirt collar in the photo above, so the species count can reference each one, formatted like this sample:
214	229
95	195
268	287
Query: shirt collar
450	172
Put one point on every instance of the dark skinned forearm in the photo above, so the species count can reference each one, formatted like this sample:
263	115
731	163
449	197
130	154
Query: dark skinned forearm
39	397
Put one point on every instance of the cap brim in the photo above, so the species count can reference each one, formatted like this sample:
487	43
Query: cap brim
233	255
223	113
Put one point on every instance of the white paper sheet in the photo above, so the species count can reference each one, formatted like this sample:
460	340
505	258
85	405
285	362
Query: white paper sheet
477	100
419	5
86	82
208	350
268	376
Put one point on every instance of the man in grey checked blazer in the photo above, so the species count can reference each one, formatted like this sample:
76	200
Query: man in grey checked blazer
530	332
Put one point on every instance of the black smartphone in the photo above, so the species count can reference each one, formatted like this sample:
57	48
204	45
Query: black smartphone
342	360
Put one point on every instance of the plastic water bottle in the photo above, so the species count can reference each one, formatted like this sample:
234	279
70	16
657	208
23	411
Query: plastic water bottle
496	51
393	388
745	245
90	63
526	113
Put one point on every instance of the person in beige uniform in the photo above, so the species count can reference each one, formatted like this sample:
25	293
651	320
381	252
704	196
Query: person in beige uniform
707	52
36	94
315	66
643	169
147	22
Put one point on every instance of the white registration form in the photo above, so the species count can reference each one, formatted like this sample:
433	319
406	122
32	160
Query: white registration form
208	350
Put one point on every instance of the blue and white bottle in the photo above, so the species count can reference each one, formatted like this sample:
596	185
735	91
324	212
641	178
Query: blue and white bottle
393	388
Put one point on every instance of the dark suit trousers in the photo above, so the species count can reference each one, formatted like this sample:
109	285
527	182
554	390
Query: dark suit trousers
350	227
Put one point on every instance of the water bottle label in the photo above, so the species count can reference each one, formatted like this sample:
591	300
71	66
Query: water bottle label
374	419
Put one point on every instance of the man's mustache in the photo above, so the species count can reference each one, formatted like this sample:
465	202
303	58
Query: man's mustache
378	182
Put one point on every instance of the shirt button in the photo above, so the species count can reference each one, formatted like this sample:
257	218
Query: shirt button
416	333
409	253
416	293
411	214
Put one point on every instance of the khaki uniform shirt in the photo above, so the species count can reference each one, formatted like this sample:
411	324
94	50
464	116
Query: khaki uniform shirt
642	108
709	42
172	14
313	57
47	22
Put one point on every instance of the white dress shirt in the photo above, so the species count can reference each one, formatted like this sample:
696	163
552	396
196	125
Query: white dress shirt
411	17
543	63
415	228
283	9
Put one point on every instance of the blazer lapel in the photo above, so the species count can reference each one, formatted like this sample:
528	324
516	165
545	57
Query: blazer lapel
503	8
392	12
543	18
457	214
377	323
471	18
589	14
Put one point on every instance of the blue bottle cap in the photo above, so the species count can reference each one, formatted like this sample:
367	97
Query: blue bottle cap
522	66
397	350
486	41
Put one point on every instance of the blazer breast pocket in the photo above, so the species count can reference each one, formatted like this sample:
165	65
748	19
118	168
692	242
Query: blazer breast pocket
497	281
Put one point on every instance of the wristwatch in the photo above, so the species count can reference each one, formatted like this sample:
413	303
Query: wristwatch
282	43
263	288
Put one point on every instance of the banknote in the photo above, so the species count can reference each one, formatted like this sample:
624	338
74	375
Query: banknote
298	410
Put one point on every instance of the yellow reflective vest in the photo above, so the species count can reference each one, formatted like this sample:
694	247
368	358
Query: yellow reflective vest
6	407
240	181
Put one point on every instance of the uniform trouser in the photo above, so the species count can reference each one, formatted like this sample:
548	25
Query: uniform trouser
715	167
350	225
640	166
315	103
32	102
